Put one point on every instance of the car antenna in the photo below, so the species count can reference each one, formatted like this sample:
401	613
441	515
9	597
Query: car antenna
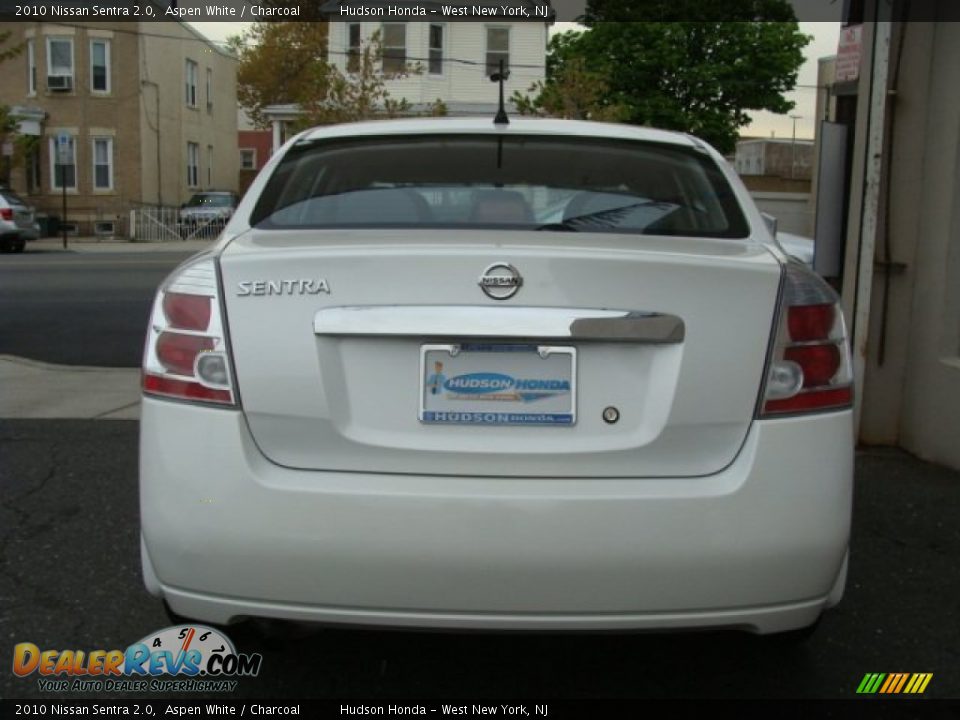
500	76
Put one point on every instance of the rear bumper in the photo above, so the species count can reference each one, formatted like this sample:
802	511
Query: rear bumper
760	545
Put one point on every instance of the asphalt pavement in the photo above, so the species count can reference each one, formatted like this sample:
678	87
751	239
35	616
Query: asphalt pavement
69	563
88	305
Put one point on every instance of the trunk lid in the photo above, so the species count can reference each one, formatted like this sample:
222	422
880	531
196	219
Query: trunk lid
333	400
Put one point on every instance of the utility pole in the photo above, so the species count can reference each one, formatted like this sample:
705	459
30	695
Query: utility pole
793	147
63	155
156	87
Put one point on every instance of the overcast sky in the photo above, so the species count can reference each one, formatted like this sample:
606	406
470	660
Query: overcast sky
825	36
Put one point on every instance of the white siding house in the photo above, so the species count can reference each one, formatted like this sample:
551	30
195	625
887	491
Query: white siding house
455	58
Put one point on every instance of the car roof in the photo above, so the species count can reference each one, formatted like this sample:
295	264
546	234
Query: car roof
517	126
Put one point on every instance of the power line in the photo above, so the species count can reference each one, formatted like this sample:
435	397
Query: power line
224	45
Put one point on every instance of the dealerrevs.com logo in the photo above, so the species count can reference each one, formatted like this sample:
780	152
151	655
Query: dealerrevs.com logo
196	657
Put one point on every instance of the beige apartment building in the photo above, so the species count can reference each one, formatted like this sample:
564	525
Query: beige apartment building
146	113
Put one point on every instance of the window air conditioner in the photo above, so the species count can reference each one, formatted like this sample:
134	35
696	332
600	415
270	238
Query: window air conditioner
60	82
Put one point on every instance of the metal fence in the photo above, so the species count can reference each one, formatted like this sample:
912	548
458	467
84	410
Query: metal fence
162	224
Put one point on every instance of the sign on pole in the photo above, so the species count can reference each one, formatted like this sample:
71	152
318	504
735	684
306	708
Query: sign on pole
63	148
848	53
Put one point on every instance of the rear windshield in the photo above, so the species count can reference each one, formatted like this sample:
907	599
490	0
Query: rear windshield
486	181
11	197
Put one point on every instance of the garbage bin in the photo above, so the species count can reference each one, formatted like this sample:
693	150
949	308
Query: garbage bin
44	222
49	225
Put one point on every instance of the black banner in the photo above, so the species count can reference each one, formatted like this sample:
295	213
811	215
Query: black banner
516	710
549	11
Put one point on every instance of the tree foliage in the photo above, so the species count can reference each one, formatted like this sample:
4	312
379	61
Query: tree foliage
694	76
280	62
8	124
324	93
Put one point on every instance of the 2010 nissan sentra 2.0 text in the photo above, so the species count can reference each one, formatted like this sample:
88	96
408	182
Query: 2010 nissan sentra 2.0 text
544	375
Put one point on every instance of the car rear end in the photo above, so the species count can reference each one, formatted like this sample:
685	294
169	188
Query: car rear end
16	222
550	376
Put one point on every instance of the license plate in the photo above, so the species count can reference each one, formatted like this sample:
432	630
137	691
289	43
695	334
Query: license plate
498	384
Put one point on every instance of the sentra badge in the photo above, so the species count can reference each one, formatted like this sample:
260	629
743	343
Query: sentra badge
283	287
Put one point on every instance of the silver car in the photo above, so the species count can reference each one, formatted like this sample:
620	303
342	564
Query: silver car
205	213
16	222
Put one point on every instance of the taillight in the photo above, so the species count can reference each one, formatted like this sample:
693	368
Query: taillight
809	367
6	213
186	356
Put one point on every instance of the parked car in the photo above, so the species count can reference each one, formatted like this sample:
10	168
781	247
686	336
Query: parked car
16	222
207	210
797	246
402	389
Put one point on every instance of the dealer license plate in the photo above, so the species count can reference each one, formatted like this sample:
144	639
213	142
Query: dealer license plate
498	384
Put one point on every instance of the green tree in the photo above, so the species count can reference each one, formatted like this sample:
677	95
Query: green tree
694	76
280	62
8	125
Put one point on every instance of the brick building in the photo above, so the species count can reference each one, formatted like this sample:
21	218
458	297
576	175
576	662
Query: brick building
147	112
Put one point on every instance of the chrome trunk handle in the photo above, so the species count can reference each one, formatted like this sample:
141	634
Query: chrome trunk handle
515	322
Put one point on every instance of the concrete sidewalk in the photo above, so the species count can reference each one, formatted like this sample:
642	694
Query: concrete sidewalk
114	245
33	390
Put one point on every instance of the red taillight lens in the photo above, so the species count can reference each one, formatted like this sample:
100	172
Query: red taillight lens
187	312
6	213
810	322
818	362
177	352
819	400
809	367
184	389
186	355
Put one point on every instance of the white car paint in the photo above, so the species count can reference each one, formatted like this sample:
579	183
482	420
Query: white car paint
320	496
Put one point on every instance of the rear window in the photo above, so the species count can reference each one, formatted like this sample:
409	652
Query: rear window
486	181
11	197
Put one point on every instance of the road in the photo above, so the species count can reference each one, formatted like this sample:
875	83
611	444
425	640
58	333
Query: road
69	563
79	308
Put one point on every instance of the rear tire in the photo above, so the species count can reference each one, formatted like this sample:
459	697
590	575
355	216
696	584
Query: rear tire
19	246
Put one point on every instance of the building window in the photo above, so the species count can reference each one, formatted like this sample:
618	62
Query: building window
248	159
100	65
498	48
394	48
436	50
103	163
209	90
193	164
63	174
191	86
60	57
353	47
31	68
209	166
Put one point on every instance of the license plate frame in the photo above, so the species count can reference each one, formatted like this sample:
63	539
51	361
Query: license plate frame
482	390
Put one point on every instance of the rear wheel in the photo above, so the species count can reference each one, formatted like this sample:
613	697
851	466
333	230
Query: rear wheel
19	245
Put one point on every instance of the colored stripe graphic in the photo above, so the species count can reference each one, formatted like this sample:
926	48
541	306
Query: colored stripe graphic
894	683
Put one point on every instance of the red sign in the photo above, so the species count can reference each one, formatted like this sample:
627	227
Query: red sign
848	53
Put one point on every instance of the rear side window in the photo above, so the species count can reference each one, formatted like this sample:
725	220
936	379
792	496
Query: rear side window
11	197
489	181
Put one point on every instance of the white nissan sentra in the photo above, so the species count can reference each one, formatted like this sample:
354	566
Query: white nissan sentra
543	375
